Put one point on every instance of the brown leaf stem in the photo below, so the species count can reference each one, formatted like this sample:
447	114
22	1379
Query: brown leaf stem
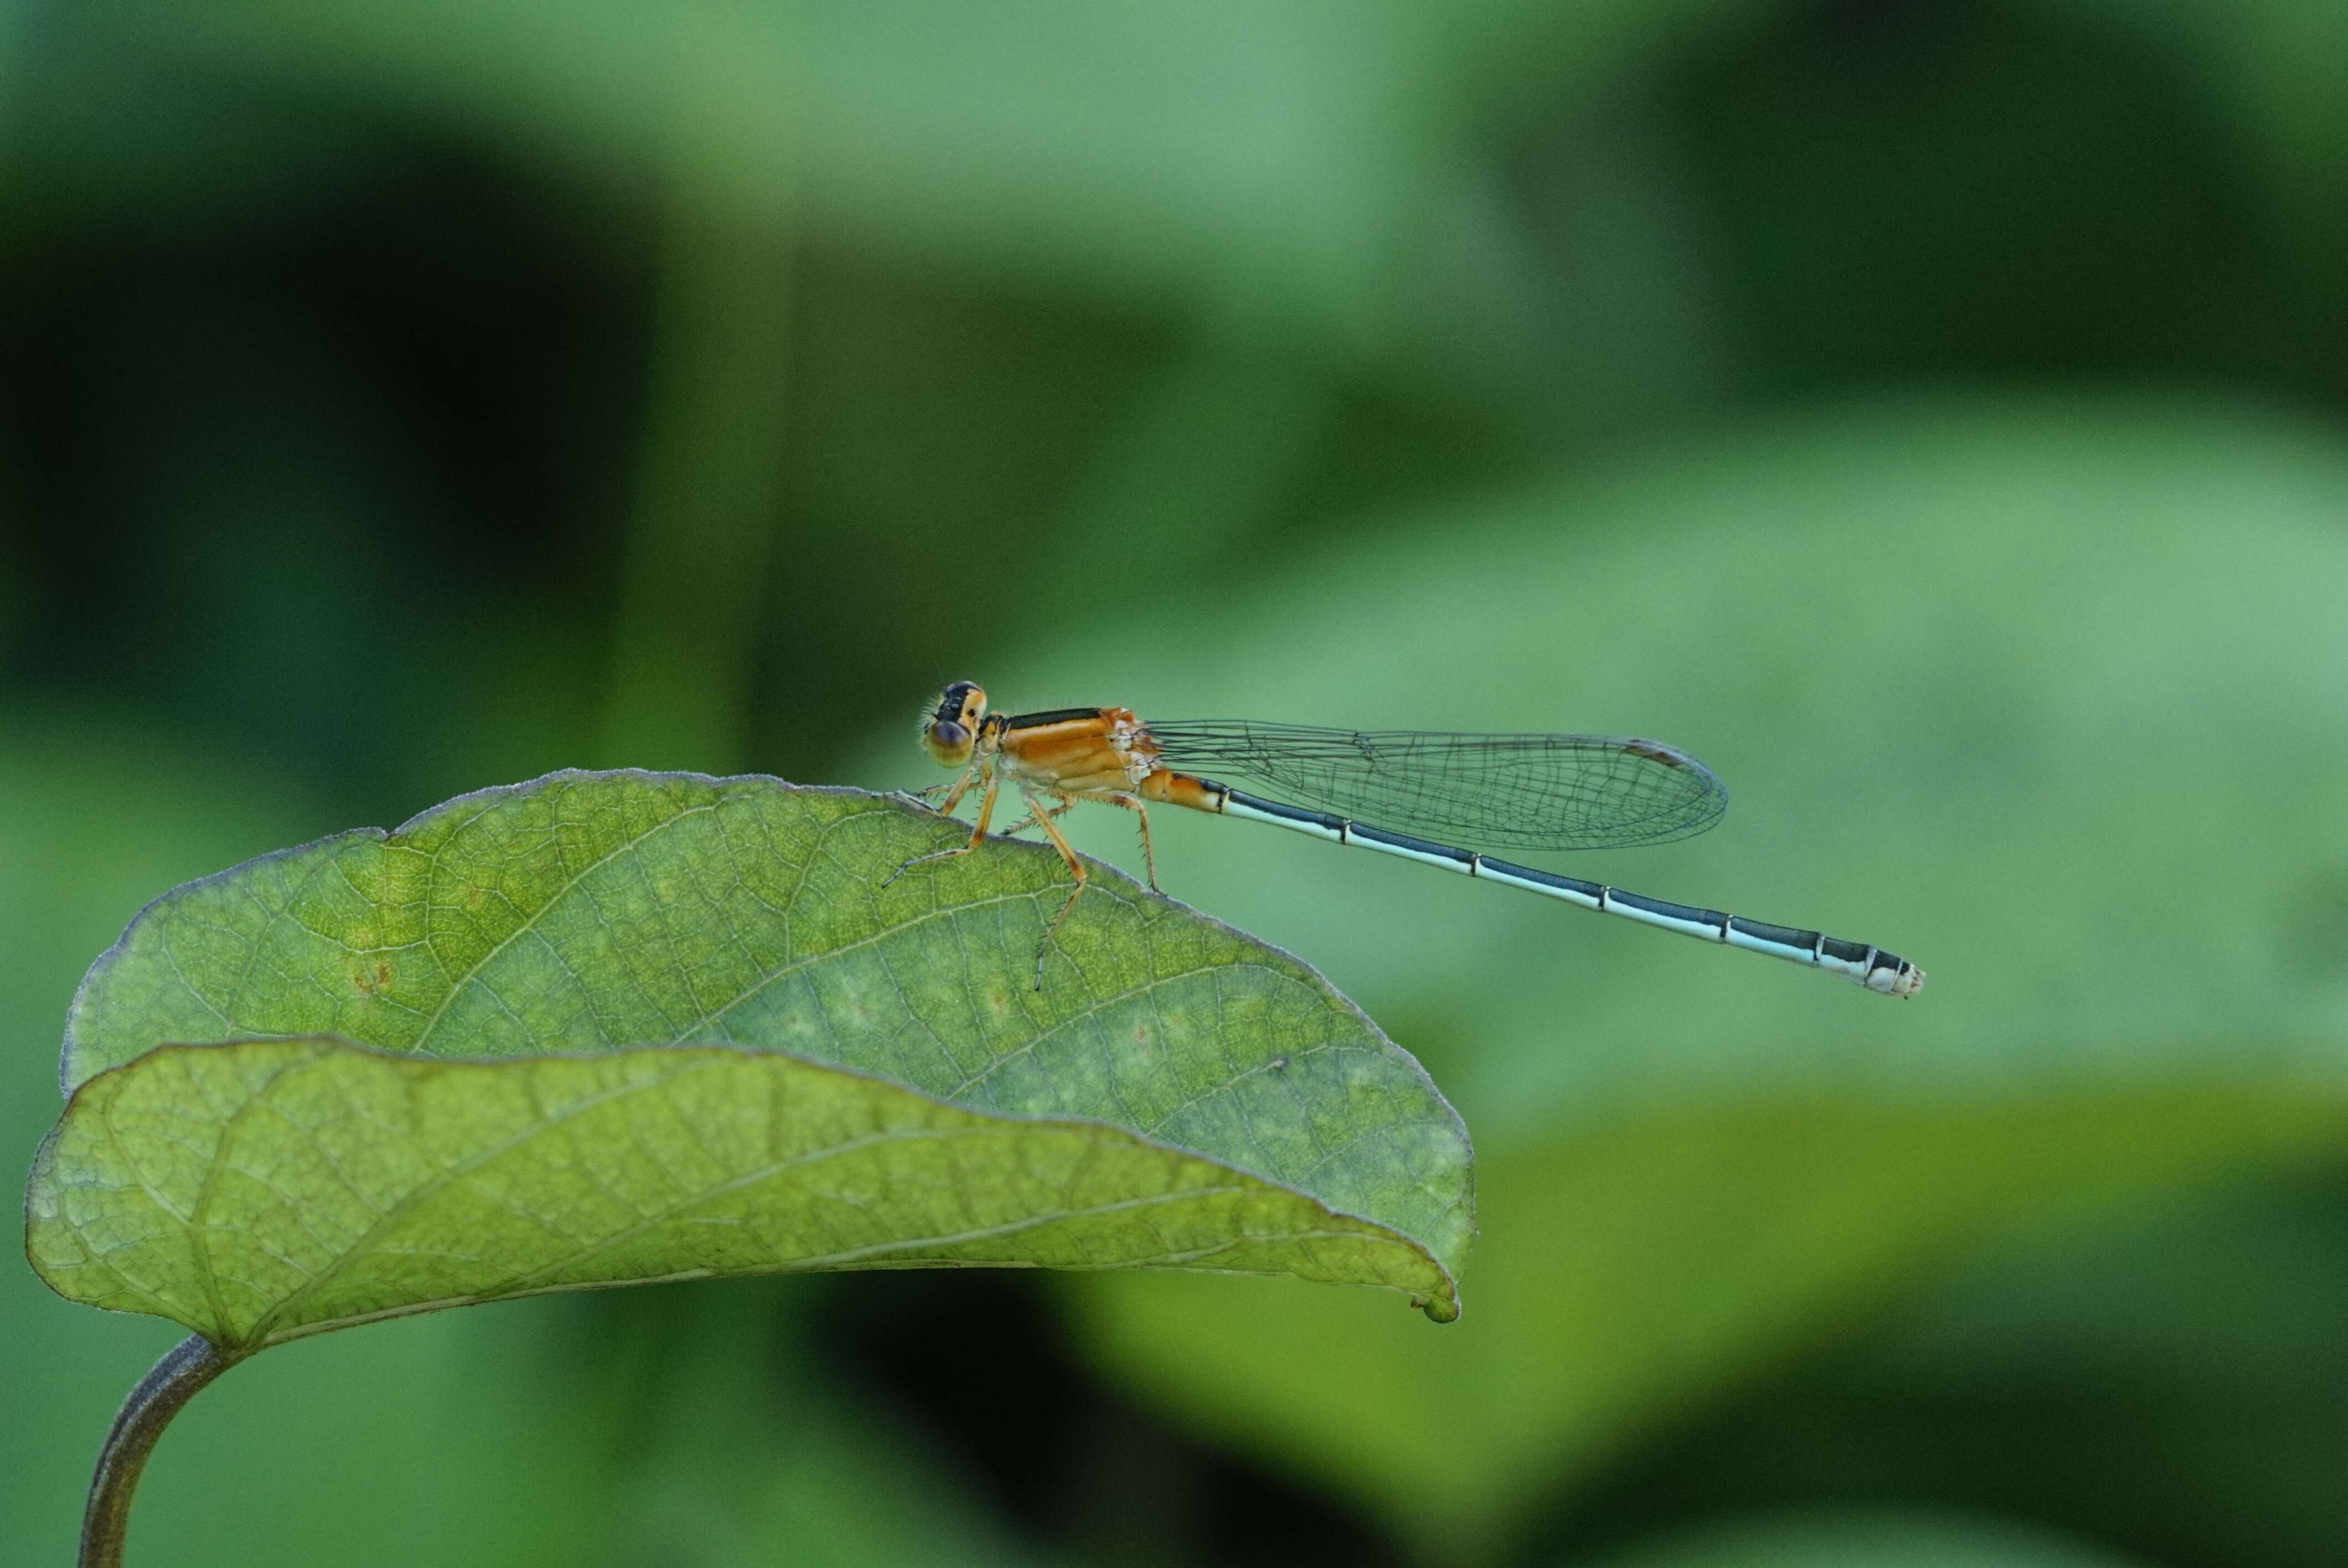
186	1367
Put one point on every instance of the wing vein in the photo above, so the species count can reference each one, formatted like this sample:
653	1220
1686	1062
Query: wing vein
1526	792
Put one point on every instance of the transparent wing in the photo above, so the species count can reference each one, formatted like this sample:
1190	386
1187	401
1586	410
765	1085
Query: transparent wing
1528	791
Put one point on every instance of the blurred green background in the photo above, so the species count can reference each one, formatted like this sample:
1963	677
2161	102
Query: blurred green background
1929	412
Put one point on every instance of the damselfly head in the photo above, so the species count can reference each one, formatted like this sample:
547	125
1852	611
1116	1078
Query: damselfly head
949	733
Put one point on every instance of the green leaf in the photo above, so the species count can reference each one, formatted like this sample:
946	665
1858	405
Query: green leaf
264	1190
1175	1095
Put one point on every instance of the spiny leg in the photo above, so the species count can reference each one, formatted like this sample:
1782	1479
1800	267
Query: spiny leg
977	833
1076	868
1130	803
1148	855
962	787
922	797
1025	823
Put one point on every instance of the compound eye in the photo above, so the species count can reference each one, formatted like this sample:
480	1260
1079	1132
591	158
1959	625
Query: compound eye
947	741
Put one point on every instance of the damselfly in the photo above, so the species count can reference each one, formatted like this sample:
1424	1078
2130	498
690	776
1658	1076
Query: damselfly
1532	792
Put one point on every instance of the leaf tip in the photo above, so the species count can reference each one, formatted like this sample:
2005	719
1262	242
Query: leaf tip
1444	1309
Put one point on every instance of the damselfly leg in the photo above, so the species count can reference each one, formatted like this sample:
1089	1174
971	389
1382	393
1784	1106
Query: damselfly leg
1025	823
977	833
1075	869
1068	804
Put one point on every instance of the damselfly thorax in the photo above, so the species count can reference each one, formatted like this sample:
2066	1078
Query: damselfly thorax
1530	791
